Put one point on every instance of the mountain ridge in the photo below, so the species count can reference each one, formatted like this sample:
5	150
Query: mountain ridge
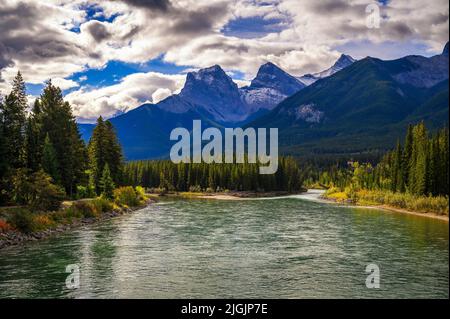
363	106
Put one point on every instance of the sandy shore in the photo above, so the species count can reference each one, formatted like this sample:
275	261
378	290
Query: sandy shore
404	211
221	197
391	209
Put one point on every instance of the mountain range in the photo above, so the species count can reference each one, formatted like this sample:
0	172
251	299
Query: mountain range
364	107
354	106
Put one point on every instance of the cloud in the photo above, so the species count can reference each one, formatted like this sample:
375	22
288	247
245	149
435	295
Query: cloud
37	40
160	94
64	84
132	91
97	30
159	5
57	38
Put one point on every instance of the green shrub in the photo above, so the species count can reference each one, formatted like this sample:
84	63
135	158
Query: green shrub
36	190
195	189
420	204
43	221
82	192
46	196
86	209
102	205
69	213
126	196
22	220
140	192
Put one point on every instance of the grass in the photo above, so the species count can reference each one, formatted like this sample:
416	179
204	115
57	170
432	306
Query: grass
421	204
22	219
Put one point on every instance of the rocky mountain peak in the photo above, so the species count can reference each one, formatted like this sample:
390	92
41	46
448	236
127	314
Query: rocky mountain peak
445	52
343	62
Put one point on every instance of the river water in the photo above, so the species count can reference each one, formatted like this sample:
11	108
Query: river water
294	247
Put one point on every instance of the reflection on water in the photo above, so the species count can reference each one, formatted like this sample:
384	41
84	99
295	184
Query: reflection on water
284	248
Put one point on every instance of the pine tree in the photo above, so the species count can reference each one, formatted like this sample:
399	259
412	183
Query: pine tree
106	183
419	170
13	110
49	160
443	188
3	166
3	151
33	139
104	148
397	173
19	91
407	156
57	120
114	156
97	152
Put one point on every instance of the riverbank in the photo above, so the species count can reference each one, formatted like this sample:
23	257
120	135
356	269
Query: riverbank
340	198
223	195
19	225
318	195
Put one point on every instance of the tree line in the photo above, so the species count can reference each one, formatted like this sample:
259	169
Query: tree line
418	166
42	153
213	177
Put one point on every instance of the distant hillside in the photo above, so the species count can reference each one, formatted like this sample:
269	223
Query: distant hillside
364	107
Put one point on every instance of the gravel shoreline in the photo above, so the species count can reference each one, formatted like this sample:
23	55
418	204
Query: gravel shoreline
14	238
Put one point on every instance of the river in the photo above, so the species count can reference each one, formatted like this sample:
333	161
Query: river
294	247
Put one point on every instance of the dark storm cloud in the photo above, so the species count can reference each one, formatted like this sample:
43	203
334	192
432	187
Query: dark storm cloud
241	48
440	18
399	30
4	59
330	6
10	20
22	35
196	22
157	5
98	31
17	16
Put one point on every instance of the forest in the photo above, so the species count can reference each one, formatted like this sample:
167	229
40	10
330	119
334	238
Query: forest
183	177
414	175
43	159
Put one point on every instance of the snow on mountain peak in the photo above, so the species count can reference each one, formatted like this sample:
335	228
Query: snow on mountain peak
341	63
445	51
273	77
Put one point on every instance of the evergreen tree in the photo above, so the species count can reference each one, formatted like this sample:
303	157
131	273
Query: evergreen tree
57	120
19	90
419	170
97	152
33	139
114	156
3	151
397	173
104	148
49	160
13	110
407	155
106	183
